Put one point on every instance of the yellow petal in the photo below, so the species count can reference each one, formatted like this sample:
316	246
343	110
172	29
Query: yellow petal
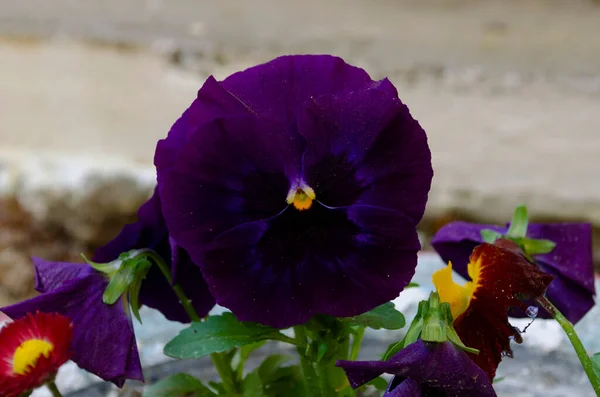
456	295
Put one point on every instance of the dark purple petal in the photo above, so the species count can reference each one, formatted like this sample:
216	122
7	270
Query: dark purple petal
103	339
208	193
317	121
52	275
279	89
572	292
151	232
455	242
364	147
572	257
363	256
213	102
435	366
401	387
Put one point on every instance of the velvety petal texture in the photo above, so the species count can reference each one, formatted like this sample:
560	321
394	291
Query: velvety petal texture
571	261
296	186
151	232
103	339
424	369
501	278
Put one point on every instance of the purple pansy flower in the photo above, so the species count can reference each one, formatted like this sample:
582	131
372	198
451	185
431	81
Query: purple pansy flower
424	369
151	232
296	186
572	290
103	339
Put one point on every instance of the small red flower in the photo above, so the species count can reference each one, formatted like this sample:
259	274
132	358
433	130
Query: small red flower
32	349
501	278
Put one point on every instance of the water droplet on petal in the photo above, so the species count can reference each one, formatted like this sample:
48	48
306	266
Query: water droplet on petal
532	311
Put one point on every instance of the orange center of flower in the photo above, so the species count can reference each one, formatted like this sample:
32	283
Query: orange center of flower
458	296
301	196
28	353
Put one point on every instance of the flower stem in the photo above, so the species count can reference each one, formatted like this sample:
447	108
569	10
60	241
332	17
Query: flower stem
53	389
566	325
308	370
223	369
183	299
356	342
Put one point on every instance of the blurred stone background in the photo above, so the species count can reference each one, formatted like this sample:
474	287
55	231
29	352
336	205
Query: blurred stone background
508	91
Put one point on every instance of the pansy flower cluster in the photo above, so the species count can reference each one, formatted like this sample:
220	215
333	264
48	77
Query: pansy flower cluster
290	194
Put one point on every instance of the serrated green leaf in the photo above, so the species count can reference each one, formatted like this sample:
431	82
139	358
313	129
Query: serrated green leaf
385	316
490	236
519	223
536	247
178	385
216	334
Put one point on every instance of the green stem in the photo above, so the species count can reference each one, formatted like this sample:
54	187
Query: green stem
284	338
566	325
308	370
223	369
183	299
356	342
53	389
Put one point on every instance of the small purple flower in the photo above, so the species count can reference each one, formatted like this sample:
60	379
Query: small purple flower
151	232
296	186
103	339
572	291
424	369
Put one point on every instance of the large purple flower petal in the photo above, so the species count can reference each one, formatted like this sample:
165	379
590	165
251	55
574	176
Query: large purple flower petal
151	232
213	101
317	121
435	367
401	387
279	89
103	338
571	260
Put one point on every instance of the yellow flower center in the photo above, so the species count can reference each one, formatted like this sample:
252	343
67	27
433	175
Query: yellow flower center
28	353
301	195
458	296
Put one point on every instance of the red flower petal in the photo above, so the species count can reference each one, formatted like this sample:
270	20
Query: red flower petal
504	279
32	349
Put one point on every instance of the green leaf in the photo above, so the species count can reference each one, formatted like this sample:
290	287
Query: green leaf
268	368
392	350
596	363
119	282
142	268
379	383
519	223
385	316
216	334
252	386
498	380
536	247
490	236
411	285
178	385
286	381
